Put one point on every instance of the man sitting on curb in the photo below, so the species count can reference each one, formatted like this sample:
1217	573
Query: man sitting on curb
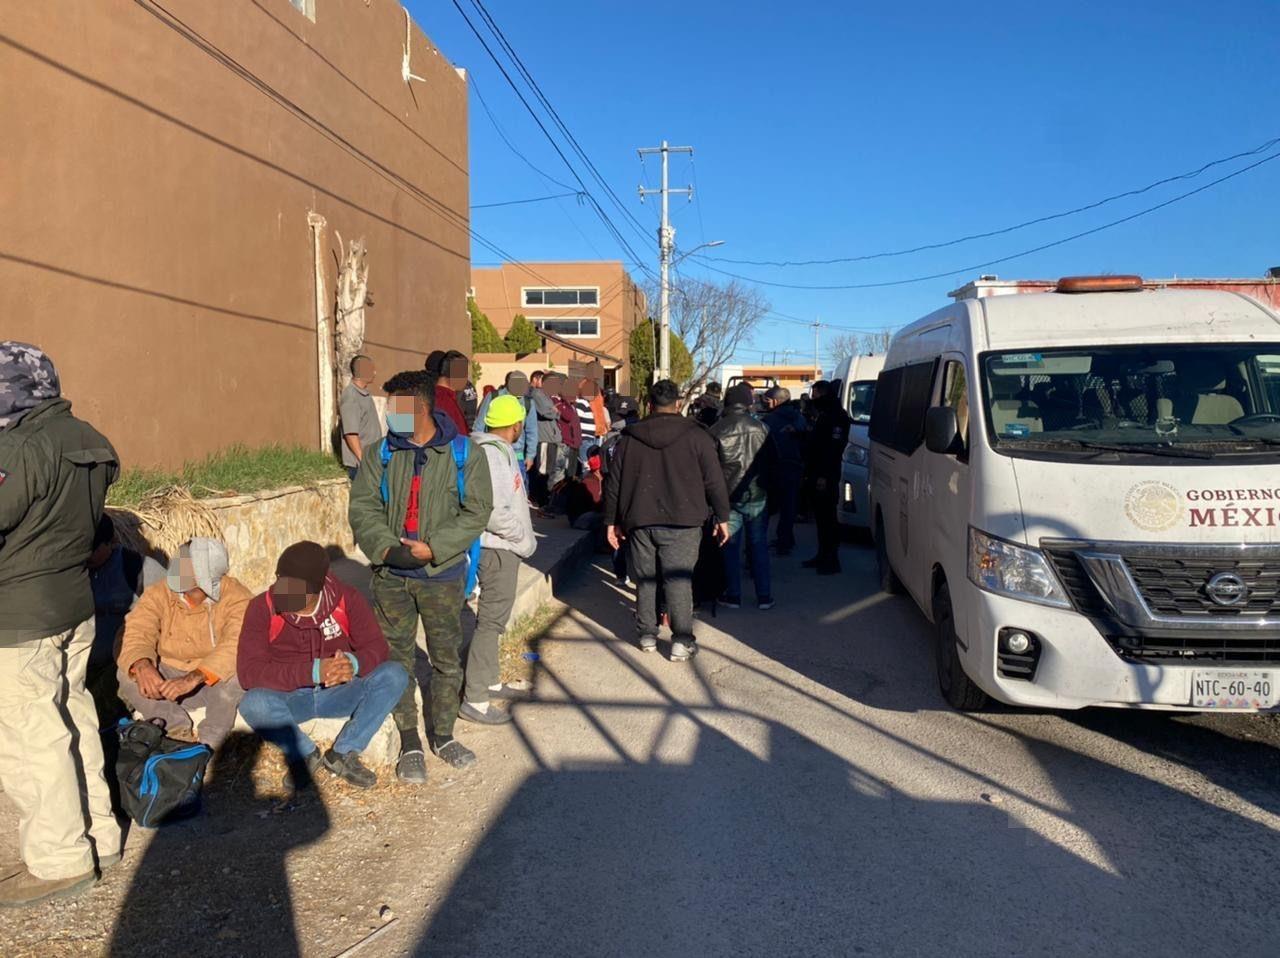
420	501
179	647
507	539
311	648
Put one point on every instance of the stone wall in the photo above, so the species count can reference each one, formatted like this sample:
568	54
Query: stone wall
257	528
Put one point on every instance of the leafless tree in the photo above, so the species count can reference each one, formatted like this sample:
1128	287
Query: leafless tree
859	344
713	320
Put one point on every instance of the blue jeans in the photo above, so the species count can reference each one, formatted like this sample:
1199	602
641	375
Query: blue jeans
365	702
753	522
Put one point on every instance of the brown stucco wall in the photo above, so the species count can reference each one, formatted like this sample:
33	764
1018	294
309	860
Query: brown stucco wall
621	307
155	204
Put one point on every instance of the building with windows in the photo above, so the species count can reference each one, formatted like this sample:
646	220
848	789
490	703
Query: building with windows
182	183
588	311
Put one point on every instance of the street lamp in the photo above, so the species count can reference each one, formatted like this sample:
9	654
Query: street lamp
684	256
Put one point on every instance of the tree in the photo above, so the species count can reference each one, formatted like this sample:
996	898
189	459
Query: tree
644	339
522	337
860	344
713	319
484	338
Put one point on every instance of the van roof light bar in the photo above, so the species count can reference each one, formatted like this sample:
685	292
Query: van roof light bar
1099	284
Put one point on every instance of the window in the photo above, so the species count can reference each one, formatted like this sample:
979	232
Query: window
955	394
862	396
305	7
586	327
562	297
901	399
1153	400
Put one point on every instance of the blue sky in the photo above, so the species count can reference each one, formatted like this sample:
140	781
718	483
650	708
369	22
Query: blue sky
828	129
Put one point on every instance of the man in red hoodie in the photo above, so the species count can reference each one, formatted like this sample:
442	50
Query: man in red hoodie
311	648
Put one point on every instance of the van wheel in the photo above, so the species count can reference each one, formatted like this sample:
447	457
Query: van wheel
889	581
956	686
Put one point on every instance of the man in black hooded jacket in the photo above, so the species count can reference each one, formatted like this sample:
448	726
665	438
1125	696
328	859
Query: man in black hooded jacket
663	482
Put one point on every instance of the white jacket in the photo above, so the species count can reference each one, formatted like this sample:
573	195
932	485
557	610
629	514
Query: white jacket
510	524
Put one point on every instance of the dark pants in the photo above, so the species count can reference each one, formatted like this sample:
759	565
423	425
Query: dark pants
825	503
219	702
351	472
790	479
365	702
674	551
399	604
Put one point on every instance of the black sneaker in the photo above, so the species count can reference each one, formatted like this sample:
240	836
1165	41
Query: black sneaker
829	568
490	716
348	767
730	602
300	776
411	767
453	753
764	605
811	563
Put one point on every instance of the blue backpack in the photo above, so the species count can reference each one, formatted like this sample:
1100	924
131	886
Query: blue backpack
460	448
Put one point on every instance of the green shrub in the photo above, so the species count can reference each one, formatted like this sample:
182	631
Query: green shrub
644	339
523	337
484	337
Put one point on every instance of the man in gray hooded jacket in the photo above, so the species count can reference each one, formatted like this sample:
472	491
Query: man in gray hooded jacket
507	540
54	474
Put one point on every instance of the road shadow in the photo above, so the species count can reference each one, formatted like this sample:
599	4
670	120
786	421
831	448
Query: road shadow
216	884
791	849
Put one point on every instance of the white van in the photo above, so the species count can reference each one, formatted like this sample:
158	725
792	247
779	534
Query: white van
1081	489
855	380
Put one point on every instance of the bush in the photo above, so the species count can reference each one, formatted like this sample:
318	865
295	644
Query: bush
522	337
644	339
484	337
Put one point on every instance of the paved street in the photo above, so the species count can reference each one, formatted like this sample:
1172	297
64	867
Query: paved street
801	788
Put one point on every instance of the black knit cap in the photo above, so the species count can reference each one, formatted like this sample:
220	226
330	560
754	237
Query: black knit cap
305	561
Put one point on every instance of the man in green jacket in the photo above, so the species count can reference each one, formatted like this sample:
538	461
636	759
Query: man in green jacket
420	500
54	474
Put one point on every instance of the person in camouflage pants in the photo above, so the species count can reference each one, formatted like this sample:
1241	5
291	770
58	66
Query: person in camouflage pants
416	513
400	604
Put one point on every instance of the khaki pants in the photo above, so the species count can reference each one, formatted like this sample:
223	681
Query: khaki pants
51	755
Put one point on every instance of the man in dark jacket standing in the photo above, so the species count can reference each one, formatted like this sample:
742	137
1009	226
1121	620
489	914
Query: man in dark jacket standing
54	474
749	460
789	430
416	520
830	436
665	479
311	648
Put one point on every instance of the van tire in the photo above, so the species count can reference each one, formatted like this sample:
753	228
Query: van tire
957	688
889	581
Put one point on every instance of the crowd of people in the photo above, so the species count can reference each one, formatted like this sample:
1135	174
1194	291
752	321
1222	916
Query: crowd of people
444	487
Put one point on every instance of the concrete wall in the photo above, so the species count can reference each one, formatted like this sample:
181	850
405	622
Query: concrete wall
621	305
157	179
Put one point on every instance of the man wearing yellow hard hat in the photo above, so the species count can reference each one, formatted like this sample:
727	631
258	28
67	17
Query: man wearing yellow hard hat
505	543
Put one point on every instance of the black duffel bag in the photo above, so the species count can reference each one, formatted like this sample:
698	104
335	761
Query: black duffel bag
160	778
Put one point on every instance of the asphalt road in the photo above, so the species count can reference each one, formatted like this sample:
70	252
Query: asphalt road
801	788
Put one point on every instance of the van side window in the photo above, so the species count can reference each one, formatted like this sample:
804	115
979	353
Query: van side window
901	400
955	395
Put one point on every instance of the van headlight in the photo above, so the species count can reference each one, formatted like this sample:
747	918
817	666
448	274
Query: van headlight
1006	568
855	455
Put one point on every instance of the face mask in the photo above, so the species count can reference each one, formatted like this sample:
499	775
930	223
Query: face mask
400	422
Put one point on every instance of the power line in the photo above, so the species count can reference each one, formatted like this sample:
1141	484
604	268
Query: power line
604	218
1012	256
546	103
173	22
532	199
1191	174
471	82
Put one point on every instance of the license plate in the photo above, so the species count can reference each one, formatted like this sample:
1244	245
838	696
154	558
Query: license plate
1235	690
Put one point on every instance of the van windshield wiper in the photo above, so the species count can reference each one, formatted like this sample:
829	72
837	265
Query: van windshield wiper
1152	449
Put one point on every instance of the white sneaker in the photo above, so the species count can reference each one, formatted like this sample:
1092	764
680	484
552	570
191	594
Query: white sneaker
683	651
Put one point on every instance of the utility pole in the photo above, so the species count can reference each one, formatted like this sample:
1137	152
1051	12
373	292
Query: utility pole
817	368
666	243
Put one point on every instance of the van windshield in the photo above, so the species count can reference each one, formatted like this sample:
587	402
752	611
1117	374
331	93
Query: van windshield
1187	400
861	395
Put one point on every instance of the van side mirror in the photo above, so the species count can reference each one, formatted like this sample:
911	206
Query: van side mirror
942	431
